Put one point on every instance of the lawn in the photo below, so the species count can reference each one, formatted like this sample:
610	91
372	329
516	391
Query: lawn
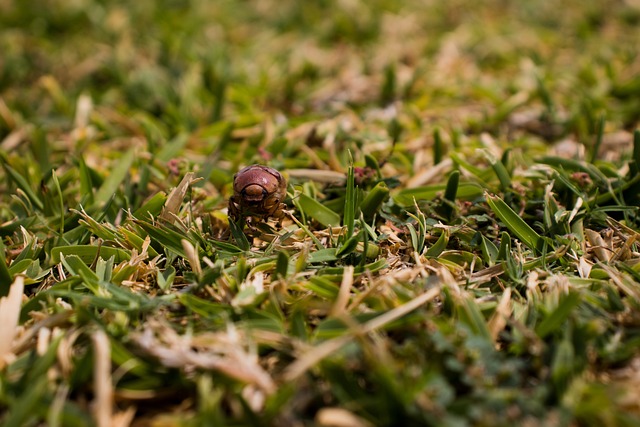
458	246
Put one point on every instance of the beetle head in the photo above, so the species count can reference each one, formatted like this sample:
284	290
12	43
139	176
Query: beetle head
253	194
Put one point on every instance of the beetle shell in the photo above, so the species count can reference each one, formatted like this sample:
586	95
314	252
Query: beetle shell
257	193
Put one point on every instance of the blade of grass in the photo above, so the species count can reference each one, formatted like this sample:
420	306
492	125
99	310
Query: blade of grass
61	211
5	277
499	169
22	183
9	316
470	314
316	210
282	265
466	191
438	146
238	234
349	216
514	223
489	251
306	230
86	183
116	176
441	244
554	321
349	245
88	253
165	278
374	200
152	207
635	164
450	193
163	237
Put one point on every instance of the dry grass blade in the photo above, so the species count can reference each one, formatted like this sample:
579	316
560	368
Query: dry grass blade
485	275
598	245
339	417
192	256
625	284
176	197
502	313
102	385
343	294
223	352
9	316
428	175
14	139
123	418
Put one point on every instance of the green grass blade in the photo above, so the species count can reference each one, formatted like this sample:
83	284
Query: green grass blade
22	183
635	163
282	265
86	183
374	200
349	245
470	314
350	203
238	234
489	251
415	240
323	255
152	207
60	205
323	287
115	177
450	193
316	210
6	279
466	191
439	246
438	146
554	321
88	253
500	171
514	223
163	237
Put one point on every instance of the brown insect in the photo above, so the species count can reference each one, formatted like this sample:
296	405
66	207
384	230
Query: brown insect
258	192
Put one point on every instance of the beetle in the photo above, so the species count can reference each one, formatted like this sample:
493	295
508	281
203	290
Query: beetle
258	192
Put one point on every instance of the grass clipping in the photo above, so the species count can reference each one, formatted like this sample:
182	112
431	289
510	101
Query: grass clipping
9	317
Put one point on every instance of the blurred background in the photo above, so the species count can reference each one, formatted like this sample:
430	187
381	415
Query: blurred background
82	76
191	63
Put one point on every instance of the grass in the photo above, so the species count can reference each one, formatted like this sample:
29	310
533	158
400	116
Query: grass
463	196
